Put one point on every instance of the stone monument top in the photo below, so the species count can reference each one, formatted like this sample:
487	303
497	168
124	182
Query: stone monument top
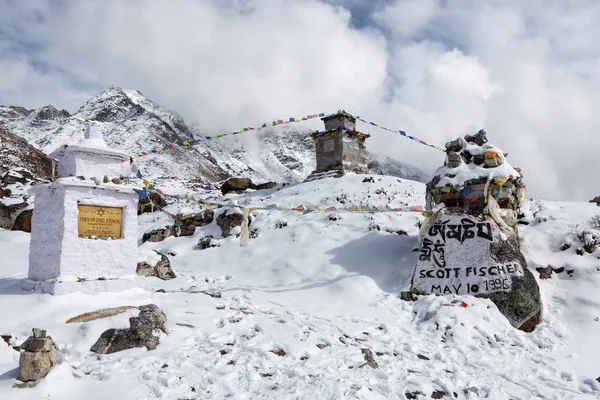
90	157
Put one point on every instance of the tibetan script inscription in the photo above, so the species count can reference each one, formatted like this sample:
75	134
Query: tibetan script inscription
455	258
99	222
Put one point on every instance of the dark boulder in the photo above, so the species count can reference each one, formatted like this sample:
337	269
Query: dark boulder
239	185
236	185
158	235
9	213
230	219
140	333
23	221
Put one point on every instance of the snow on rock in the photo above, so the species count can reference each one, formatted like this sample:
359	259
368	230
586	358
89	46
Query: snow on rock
293	313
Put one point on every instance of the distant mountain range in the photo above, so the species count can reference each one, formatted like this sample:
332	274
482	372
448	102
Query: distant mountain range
132	122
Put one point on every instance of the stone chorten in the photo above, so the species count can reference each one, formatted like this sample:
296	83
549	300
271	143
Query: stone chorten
469	241
339	148
90	158
83	232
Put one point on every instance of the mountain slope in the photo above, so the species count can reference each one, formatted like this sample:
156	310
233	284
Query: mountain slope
16	153
131	122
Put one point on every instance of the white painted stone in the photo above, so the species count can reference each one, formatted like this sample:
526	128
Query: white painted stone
58	257
455	258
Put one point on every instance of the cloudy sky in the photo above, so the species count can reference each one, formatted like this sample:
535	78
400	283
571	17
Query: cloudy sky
527	71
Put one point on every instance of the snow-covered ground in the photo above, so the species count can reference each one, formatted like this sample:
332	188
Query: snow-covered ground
299	303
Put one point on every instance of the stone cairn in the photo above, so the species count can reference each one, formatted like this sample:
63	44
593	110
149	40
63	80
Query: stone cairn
469	241
39	355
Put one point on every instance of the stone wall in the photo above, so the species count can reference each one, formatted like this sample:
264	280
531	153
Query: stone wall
342	150
329	151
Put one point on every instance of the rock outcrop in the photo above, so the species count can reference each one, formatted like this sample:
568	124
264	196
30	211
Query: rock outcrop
239	185
23	221
141	332
148	204
469	241
161	269
39	354
229	219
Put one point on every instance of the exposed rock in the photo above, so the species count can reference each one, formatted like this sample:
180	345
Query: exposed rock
39	355
207	242
17	153
158	235
480	138
235	185
9	213
545	273
23	221
369	358
5	192
596	200
228	220
161	270
454	160
140	333
145	205
239	185
189	225
263	186
105	179
117	181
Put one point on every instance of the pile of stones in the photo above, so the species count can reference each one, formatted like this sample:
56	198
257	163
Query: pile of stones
475	156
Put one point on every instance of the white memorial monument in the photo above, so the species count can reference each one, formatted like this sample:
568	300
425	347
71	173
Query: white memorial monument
83	234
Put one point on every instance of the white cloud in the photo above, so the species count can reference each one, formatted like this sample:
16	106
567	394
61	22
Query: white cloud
527	72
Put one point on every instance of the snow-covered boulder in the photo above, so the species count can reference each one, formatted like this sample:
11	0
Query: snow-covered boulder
469	244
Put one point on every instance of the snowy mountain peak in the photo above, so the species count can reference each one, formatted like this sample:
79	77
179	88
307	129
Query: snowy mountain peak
132	122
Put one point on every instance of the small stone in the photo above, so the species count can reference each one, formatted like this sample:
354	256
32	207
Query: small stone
438	394
38	333
116	181
455	145
206	242
35	345
81	178
278	352
34	366
472	389
369	358
162	269
95	180
105	179
480	138
422	357
545	273
454	160
429	315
